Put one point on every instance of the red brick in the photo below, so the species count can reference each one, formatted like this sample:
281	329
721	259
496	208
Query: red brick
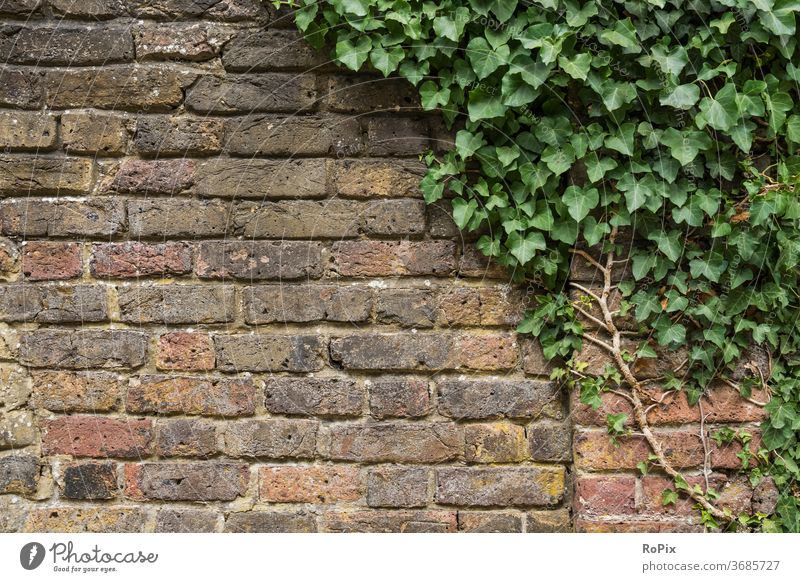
134	259
43	261
634	526
153	177
735	494
313	484
97	436
488	353
605	495
191	395
370	258
182	350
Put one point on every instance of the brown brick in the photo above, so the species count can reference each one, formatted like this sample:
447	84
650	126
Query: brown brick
88	132
20	7
293	136
21	130
277	438
178	218
489	353
135	259
596	358
82	349
261	179
186	521
212	481
130	88
186	438
310	484
290	219
399	397
501	442
19	474
192	42
96	436
533	360
377	179
261	260
394	442
9	259
548	521
390	486
89	9
271	522
367	258
75	391
393	136
176	304
269	353
231	10
480	306
17	429
268	92
15	386
53	304
64	45
440	219
85	519
488	522
389	521
506	486
185	351
90	481
304	303
497	397
191	395
550	441
406	307
395	217
254	51
314	396
474	264
605	495
394	352
363	94
27	175
735	494
37	217
149	177
20	88
636	526
177	136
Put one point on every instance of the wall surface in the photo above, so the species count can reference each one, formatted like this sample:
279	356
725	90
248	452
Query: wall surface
225	306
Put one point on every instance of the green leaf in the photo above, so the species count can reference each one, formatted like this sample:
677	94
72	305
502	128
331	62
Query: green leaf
616	423
615	95
484	59
669	497
517	92
577	66
463	211
467	143
721	112
483	105
672	335
431	96
623	34
682	96
622	139
353	56
685	145
524	248
357	7
597	167
671	62
580	202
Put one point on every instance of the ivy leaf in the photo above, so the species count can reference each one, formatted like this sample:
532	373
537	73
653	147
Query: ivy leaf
463	211
431	96
622	140
357	7
721	112
483	105
503	9
446	27
615	95
576	66
353	56
616	423
669	497
711	268
484	59
684	146
593	231
580	202
517	92
682	96
597	167
672	335
670	62
524	248
467	143
623	34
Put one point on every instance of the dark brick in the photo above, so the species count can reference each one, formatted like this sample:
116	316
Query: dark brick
230	10
90	481
271	522
176	304
53	304
178	218
277	438
304	303
347	94
82	349
407	307
212	481
394	352
390	486
153	177
186	521
395	217
389	521
177	136
314	396
284	260
89	9
36	217
392	136
20	7
261	179
192	42
394	442
293	136
19	474
488	522
290	219
502	486
496	398
186	438
191	395
399	397
20	88
262	353
254	51
550	441
270	92
64	45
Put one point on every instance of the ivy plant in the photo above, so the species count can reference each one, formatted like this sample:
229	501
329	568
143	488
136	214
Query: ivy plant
581	125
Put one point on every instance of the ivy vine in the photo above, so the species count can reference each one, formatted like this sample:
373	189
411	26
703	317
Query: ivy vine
583	124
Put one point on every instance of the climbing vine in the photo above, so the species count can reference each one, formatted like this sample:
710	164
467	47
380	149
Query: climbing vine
584	125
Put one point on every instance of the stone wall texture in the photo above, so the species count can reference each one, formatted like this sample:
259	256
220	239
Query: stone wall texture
224	305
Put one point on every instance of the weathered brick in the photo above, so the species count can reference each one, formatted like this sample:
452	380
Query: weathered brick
377	178
27	175
15	386
393	136
441	223
90	481
212	481
488	522
314	396
506	486
20	7
82	349
9	259
498	397
21	130
261	260
289	219
533	360
605	495
406	307
304	303
399	397
97	436
191	395
94	133
480	306
178	218
135	259
231	10
85	519
75	391
548	521
735	494
176	304
310	484
19	474
153	177
268	92
390	486
89	9
87	218
16	429
395	217
186	521
488	352
476	265
277	438
363	94
636	526
550	441
53	304
177	136
269	353
293	136
261	179
389	521
394	352
255	51
370	258
65	45
394	442
192	42
596	358
271	522
500	442
20	88
186	438
185	351
133	88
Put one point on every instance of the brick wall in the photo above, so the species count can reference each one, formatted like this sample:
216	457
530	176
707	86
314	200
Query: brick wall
224	305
